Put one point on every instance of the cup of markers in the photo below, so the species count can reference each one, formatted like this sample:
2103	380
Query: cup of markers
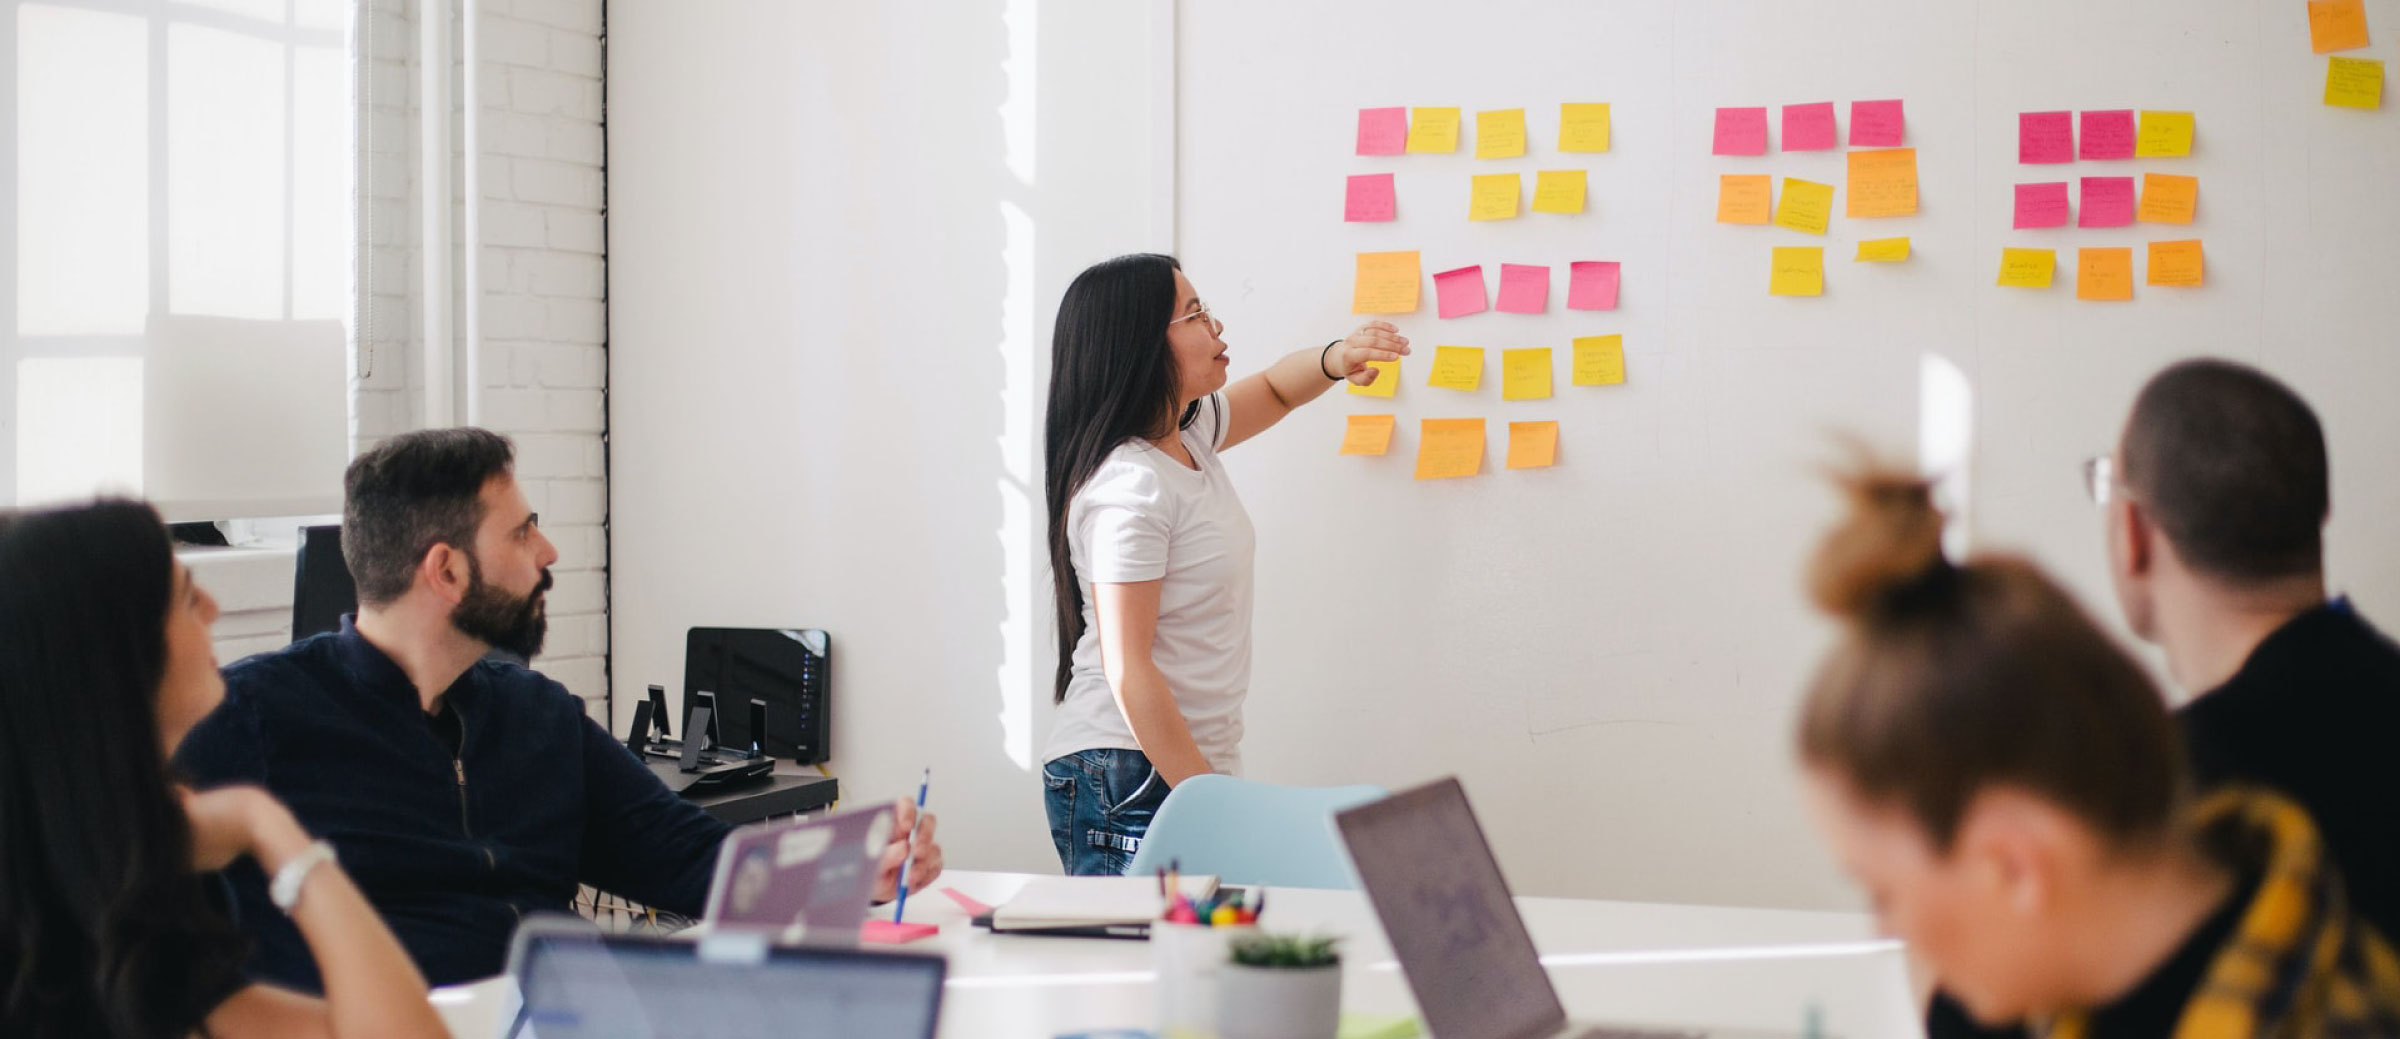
1188	946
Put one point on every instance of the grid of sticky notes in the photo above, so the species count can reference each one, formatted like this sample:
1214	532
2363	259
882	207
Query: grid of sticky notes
1880	182
2351	81
1391	282
2103	200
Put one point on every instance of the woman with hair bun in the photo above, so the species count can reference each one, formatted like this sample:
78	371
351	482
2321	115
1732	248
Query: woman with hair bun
2006	785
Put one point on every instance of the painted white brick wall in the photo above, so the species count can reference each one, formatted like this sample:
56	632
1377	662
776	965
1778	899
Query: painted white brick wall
543	310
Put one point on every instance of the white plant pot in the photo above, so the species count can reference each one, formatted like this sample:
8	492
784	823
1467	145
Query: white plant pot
1279	1002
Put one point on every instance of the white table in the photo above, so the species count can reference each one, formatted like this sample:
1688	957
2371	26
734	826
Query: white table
1611	961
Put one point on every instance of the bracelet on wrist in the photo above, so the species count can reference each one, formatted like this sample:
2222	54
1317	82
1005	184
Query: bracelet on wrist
284	891
1321	355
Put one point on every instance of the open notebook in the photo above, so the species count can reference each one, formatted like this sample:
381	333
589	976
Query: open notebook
1097	906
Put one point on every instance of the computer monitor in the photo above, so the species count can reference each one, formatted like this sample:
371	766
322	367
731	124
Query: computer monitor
786	667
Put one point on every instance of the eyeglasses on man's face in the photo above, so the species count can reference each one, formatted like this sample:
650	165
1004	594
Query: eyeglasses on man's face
1200	313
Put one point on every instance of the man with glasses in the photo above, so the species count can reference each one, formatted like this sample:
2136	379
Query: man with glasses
2216	500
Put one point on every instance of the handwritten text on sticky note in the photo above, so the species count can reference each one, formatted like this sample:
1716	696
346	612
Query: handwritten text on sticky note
2104	274
1883	183
2041	205
1809	128
1583	127
1370	198
2337	25
1533	445
1745	198
2354	83
1387	283
2176	263
2045	137
1460	292
1456	368
1448	448
1524	288
1494	197
1883	250
1382	131
2163	135
1500	133
2107	202
2027	268
2107	134
1799	270
1592	285
1558	191
2168	198
1741	131
1599	360
1433	130
1806	205
1525	374
1877	124
1368	434
1386	384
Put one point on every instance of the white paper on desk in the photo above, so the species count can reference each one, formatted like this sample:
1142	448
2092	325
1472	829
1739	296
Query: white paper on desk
1047	902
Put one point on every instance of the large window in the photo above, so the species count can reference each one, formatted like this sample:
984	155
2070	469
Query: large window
176	287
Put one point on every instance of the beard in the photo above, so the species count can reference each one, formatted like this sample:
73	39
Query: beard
507	623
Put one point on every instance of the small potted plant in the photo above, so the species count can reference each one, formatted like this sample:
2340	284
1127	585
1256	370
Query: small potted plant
1280	986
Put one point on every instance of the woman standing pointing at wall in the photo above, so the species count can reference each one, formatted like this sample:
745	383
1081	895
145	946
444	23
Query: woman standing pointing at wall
1150	549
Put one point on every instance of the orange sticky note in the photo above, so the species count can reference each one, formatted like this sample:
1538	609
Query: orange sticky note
1745	198
1799	271
1449	447
2337	25
1369	434
1600	360
2167	198
1532	445
1433	129
2175	263
2104	274
1525	374
1387	283
1456	367
1387	380
1883	182
1806	205
2027	268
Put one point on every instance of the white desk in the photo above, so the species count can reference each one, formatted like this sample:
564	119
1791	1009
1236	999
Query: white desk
1611	961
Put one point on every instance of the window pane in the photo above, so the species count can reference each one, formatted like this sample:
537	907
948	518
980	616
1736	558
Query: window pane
321	183
322	14
79	427
225	174
83	157
265	10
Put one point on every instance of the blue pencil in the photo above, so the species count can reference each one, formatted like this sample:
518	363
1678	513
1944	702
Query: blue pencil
901	907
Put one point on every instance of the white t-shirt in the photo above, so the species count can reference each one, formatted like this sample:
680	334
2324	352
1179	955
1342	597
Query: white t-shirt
1143	516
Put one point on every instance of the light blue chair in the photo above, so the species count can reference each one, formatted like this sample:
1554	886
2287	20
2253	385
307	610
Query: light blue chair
1252	833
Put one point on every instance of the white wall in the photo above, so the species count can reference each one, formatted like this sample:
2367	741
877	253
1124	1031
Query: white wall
838	232
825	388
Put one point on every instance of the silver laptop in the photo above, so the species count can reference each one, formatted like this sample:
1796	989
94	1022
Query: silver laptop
578	983
804	882
1445	907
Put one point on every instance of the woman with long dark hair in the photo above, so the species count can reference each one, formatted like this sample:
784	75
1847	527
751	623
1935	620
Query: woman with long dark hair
109	923
1150	549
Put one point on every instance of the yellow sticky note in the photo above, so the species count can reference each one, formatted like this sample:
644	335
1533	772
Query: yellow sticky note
2175	263
1433	129
2337	25
1799	271
1500	133
1884	249
1495	197
1525	374
2104	274
1532	445
2163	134
1387	380
1745	198
2027	268
1449	447
1583	127
1806	205
1387	283
1558	191
2354	83
2167	198
1457	367
1369	434
1883	182
1600	360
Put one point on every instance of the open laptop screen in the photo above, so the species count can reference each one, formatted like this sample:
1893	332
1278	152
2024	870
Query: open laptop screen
593	986
1446	909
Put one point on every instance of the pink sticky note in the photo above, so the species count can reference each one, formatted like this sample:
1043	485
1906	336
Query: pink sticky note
1741	131
2045	137
885	932
1524	288
1809	128
1877	124
2042	205
1461	291
1382	131
2107	202
973	907
1592	285
2108	135
1371	198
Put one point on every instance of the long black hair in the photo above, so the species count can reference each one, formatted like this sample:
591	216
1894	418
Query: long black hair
1112	379
104	928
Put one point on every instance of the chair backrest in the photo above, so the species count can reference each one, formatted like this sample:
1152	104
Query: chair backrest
321	587
1252	833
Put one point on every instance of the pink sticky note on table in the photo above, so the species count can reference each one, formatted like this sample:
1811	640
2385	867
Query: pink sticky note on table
1461	291
1592	285
1524	288
1382	131
1371	198
973	907
1809	128
1877	124
2042	205
885	932
2108	134
2107	202
1741	131
2044	137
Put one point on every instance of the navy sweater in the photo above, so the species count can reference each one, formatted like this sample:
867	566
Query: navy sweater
452	851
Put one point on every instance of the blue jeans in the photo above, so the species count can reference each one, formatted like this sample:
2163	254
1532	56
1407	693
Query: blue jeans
1100	804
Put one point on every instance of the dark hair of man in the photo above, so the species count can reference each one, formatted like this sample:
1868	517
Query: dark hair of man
2231	464
104	928
1112	379
412	492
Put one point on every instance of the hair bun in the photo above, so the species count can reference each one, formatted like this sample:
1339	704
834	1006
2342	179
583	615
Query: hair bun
1891	540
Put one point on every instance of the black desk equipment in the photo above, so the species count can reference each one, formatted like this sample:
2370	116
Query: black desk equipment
321	587
787	668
